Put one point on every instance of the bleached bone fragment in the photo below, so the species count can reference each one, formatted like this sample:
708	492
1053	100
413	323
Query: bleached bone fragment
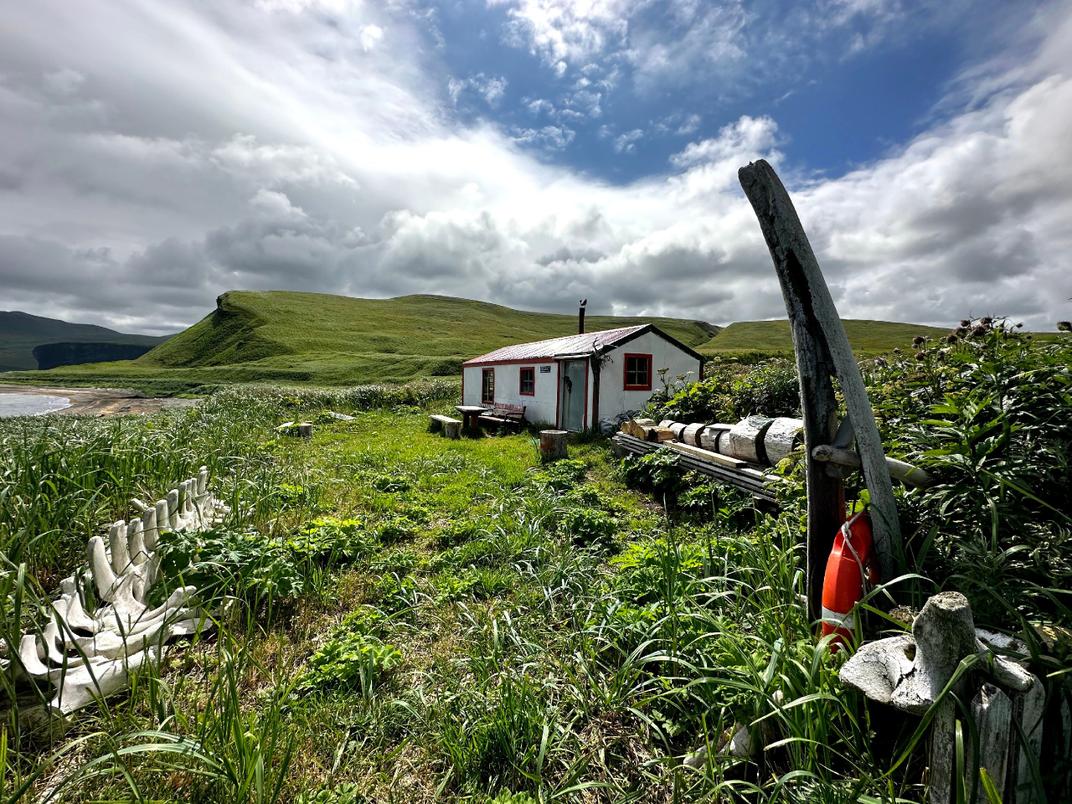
84	685
186	492
139	553
148	528
174	519
69	607
163	518
945	633
1028	710
50	638
992	711
113	645
30	656
117	542
125	609
87	656
103	576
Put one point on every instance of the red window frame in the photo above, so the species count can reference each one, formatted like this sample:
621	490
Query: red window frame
625	371
486	386
530	371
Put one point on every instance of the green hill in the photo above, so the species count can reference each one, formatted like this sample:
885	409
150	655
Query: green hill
21	332
287	336
866	337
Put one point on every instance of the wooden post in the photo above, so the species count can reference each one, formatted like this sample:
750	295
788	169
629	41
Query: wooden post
553	444
822	353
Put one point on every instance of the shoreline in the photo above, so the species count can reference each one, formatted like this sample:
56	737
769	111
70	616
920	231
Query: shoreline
100	401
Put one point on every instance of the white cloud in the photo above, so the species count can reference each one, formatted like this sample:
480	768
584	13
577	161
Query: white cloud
553	137
491	88
279	157
626	142
370	36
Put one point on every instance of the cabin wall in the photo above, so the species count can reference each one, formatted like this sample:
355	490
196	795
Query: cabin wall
614	399
540	408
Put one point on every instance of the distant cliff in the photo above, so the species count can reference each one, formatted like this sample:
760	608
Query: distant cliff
50	355
21	332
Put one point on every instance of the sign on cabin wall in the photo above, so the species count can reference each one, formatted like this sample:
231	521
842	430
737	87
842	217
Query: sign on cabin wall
545	369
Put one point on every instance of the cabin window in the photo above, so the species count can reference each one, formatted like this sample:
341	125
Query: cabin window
487	386
637	372
527	384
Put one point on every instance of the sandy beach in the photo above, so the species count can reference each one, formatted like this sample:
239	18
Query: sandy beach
101	401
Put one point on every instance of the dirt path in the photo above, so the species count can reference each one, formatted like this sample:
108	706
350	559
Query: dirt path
102	401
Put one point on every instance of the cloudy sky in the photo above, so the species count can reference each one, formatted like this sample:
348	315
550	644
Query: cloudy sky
533	152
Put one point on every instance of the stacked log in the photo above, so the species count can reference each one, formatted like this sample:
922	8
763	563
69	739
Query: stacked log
782	437
647	430
756	439
744	440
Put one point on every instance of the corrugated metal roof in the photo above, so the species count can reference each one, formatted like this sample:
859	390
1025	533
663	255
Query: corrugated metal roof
580	345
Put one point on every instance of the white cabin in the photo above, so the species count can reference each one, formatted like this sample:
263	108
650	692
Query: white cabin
574	382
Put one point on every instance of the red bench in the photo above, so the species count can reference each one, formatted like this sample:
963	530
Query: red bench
504	415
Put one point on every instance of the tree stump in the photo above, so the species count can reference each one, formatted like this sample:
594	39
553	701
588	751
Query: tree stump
452	429
553	444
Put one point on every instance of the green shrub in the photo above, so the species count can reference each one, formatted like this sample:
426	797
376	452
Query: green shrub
561	475
332	541
732	392
479	583
396	529
228	562
350	661
658	472
589	527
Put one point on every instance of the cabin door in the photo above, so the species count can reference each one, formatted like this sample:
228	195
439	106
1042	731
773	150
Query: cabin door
572	384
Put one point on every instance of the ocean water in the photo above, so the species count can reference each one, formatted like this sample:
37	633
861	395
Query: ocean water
30	404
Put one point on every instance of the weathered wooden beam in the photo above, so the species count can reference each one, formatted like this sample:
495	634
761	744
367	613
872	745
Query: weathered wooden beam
899	470
822	353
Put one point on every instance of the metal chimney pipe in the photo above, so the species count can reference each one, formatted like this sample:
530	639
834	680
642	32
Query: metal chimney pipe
580	317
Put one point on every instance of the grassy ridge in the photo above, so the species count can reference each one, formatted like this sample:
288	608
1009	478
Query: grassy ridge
292	337
866	337
284	336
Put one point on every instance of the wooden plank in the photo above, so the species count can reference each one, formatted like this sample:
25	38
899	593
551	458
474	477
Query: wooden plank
706	455
823	352
730	476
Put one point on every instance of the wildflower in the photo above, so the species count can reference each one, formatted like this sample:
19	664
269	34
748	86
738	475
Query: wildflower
965	323
960	332
951	337
921	355
918	341
978	330
1064	326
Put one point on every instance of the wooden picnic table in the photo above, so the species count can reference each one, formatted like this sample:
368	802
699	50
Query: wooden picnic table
470	413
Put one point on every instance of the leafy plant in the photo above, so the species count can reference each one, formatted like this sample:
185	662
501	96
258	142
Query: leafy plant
350	660
229	562
589	527
332	541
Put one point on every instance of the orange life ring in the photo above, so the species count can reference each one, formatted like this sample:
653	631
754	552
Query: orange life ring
848	570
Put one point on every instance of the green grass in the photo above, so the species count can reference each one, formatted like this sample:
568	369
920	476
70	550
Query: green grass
409	617
866	337
484	642
283	336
